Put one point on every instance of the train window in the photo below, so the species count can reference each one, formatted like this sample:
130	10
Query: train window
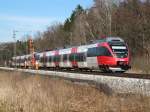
50	59
17	60
72	57
80	57
22	61
42	59
98	51
77	57
37	57
57	58
65	57
46	59
54	58
92	52
105	51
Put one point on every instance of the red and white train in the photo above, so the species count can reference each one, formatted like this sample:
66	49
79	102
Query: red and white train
108	54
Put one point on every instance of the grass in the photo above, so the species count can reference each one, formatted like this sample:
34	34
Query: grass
33	93
141	64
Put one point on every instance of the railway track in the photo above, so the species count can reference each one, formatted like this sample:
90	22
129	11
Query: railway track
100	73
125	75
117	83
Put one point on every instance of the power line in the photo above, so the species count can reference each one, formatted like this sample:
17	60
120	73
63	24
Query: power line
14	37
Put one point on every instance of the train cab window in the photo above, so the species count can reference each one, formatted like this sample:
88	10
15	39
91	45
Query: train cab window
120	49
98	51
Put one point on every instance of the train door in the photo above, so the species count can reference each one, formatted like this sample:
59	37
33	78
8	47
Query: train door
81	57
92	58
72	57
48	59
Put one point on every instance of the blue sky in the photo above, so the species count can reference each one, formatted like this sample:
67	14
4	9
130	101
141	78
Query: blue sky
33	15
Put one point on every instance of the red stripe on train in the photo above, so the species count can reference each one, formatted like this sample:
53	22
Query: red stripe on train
73	51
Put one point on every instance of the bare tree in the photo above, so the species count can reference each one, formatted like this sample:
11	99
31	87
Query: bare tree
103	11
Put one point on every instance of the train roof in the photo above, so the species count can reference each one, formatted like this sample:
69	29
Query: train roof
109	39
65	51
22	57
50	53
84	48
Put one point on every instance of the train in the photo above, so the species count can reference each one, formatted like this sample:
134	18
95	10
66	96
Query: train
109	54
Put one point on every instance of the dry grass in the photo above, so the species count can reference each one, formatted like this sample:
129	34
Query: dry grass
141	65
26	93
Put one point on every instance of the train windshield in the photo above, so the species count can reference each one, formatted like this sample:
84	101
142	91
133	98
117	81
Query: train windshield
121	51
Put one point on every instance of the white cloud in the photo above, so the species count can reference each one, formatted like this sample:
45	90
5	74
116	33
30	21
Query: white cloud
8	23
27	19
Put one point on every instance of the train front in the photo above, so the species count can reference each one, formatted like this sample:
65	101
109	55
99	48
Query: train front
119	58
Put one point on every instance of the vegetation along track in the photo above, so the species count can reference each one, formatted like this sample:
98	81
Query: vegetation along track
114	82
